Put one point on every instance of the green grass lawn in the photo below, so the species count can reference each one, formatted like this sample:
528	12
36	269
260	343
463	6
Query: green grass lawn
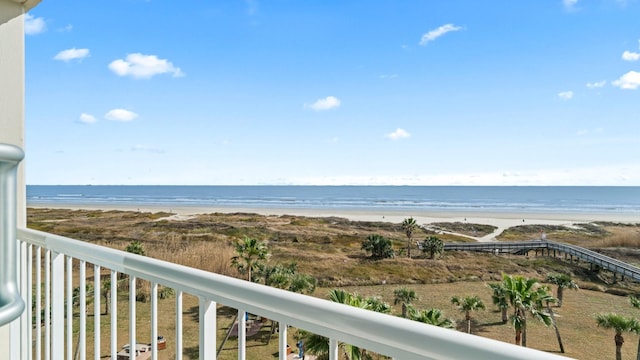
581	337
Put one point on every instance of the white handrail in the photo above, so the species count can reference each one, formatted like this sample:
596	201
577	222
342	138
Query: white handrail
11	303
385	334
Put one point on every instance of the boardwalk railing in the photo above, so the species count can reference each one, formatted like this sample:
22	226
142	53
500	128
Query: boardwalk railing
603	261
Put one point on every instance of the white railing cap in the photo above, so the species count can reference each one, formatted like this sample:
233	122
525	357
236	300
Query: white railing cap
11	153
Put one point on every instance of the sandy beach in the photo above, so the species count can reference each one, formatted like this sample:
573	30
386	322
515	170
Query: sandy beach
500	220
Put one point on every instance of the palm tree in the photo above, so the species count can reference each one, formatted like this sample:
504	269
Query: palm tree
351	299
319	345
379	246
287	277
466	305
499	298
409	225
302	283
251	254
563	281
376	304
315	344
431	316
554	323
526	296
433	245
278	276
405	297
619	324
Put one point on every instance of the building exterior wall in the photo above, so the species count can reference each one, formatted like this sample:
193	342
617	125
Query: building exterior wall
12	118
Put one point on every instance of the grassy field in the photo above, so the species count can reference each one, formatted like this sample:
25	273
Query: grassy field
329	248
581	338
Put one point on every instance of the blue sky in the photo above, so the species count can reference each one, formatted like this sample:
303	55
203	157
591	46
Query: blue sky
375	92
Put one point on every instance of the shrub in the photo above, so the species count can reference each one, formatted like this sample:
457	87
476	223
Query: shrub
433	245
379	246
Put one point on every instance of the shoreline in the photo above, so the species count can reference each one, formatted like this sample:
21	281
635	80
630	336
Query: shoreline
423	217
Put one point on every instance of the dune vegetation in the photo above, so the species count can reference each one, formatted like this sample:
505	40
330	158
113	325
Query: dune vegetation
332	251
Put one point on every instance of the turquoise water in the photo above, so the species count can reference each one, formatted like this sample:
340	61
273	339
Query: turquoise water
543	199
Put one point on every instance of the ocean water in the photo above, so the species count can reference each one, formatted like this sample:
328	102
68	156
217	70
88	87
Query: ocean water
515	199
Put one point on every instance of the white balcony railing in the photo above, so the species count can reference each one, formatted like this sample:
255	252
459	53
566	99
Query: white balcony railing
50	266
384	334
11	304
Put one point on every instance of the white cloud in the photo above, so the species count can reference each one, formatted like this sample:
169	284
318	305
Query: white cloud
141	66
330	102
630	56
565	95
252	6
628	81
569	4
87	118
145	148
388	76
583	132
66	28
597	84
120	115
398	134
33	25
71	54
436	33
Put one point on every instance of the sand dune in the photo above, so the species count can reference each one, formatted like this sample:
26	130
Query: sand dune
497	219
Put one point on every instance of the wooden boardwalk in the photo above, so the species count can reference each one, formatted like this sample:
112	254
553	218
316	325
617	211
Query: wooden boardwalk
523	247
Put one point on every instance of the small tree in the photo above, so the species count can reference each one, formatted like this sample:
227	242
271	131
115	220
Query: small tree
499	298
379	246
405	297
466	305
563	281
135	247
433	245
287	277
526	296
278	276
409	225
251	254
376	304
620	325
302	283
